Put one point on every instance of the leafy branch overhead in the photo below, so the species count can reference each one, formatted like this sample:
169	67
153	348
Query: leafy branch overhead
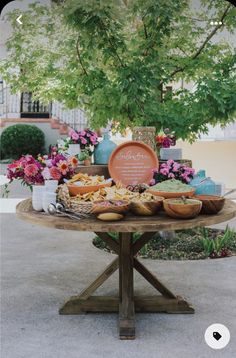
117	58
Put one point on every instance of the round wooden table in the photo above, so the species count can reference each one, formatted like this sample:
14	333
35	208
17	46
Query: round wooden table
127	303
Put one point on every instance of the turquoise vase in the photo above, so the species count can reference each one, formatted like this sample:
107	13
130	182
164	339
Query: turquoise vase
208	187
103	150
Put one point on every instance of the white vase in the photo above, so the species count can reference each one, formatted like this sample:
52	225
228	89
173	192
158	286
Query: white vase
74	149
51	185
37	197
48	198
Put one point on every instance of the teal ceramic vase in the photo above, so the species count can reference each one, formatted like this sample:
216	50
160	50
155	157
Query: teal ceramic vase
103	150
208	187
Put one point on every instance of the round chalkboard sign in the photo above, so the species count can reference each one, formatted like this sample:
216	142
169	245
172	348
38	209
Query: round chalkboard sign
132	163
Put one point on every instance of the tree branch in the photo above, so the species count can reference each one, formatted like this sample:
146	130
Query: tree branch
205	42
79	57
145	28
103	27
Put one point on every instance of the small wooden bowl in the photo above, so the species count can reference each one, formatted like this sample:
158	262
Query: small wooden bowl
146	208
182	211
211	204
169	194
84	189
119	209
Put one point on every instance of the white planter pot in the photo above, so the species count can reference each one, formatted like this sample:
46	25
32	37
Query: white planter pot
48	198
37	197
74	149
171	153
51	185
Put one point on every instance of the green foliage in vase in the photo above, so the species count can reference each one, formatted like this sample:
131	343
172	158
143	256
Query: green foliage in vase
116	59
85	154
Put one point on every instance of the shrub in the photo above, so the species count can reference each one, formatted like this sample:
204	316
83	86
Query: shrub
22	139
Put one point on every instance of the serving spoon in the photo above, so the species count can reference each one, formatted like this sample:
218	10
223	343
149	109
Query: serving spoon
60	209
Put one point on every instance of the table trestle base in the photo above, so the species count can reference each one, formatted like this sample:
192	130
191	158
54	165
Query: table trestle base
126	304
149	304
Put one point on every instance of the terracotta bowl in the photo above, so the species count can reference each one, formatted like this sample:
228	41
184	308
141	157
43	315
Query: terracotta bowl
146	208
168	194
211	204
75	189
99	208
180	210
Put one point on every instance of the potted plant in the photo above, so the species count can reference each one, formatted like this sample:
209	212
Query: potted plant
85	157
164	141
172	170
80	140
34	173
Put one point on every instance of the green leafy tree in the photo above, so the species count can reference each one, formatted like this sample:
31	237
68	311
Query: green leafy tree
116	59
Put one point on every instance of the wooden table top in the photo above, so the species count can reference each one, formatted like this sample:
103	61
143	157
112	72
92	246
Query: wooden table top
131	223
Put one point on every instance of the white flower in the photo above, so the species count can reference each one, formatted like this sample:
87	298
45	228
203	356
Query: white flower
46	173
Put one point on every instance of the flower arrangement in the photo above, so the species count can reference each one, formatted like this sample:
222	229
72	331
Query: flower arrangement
31	171
57	166
172	170
165	139
27	169
86	138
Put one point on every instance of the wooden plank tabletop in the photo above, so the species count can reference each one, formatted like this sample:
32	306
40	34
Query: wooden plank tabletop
131	223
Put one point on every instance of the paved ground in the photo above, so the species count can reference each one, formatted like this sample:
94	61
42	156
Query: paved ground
41	267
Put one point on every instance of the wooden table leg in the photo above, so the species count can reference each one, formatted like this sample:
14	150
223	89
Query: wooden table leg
126	306
84	303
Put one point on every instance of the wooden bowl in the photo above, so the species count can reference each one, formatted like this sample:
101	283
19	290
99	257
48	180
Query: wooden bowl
168	195
146	208
76	189
180	210
99	208
211	204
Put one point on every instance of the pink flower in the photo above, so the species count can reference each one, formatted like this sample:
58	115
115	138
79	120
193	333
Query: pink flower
170	162
13	166
73	134
28	158
82	133
166	143
176	167
73	161
83	140
191	171
171	175
31	170
63	166
46	173
152	182
55	173
164	171
93	140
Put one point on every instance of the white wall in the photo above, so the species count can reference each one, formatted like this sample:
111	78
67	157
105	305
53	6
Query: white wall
218	158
